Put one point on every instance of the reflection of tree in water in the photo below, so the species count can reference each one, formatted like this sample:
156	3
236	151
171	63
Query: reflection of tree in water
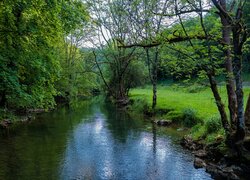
154	138
119	122
34	150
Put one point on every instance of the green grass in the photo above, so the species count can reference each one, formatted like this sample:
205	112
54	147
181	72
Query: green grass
179	98
194	105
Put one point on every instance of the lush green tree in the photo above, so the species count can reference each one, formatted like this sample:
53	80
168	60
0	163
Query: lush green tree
204	51
233	37
77	77
151	26
28	53
112	23
31	38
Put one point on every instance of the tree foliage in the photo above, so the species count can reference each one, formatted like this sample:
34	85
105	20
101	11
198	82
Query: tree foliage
31	34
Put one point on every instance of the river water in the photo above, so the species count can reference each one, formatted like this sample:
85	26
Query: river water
93	141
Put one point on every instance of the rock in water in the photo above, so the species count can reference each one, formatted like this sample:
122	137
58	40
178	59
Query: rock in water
200	153
218	172
199	163
5	123
164	122
187	142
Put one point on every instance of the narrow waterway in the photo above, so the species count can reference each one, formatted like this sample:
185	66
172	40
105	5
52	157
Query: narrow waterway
92	141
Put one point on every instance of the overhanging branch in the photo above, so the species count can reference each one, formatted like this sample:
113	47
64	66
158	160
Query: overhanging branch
175	39
182	12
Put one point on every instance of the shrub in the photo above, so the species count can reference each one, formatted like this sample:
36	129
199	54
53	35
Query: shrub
140	105
213	124
7	114
213	137
190	118
176	116
198	131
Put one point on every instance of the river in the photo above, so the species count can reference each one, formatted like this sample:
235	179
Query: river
93	141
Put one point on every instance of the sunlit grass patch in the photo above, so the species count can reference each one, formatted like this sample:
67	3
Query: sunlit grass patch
189	106
179	98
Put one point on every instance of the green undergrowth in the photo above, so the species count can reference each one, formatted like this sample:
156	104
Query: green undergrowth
7	115
191	107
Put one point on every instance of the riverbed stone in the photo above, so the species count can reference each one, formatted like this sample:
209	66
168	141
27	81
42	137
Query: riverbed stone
199	163
188	143
200	153
164	122
5	123
219	172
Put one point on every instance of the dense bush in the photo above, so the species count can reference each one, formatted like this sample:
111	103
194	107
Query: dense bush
175	116
213	125
140	105
190	118
198	131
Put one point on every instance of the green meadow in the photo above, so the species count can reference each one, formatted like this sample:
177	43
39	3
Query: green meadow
189	106
178	98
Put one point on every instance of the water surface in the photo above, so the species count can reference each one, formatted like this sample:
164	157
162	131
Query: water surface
92	141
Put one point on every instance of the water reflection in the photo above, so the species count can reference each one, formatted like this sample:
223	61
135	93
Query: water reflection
105	148
92	141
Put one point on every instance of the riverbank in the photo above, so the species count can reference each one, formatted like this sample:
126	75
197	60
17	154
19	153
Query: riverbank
12	116
9	118
193	109
189	106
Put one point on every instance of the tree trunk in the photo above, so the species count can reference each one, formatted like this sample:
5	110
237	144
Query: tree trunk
154	95
247	113
229	73
122	90
220	105
226	30
154	78
239	86
153	74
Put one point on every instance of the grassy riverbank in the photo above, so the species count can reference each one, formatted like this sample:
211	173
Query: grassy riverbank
191	106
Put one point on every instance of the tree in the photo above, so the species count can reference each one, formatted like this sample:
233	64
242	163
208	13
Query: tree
231	16
111	24
232	27
75	73
151	27
28	63
31	34
232	21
